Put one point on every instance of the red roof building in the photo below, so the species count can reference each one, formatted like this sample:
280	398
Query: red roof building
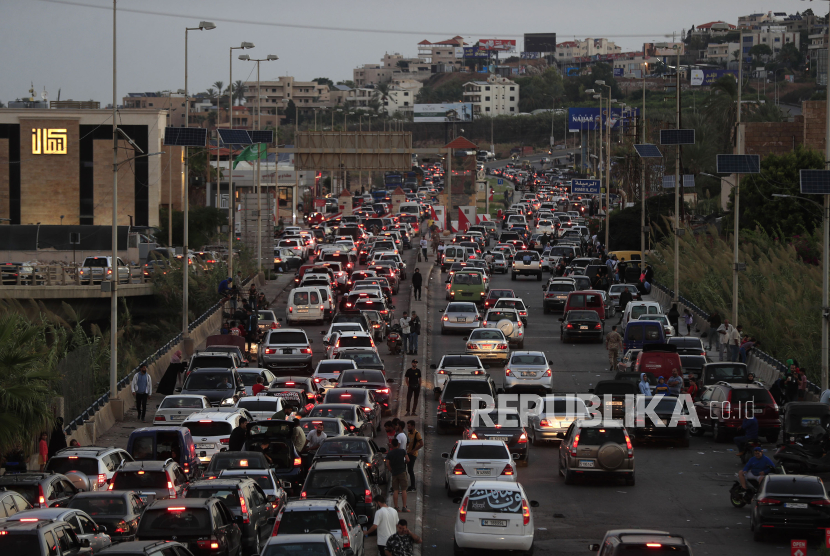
460	143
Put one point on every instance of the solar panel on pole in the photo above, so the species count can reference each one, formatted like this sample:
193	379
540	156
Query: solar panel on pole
668	182
262	136
677	136
235	136
688	181
738	164
815	182
185	136
648	151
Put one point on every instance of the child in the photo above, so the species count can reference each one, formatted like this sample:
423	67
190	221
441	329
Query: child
661	387
687	318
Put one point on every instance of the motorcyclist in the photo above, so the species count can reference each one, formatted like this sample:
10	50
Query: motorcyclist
750	429
757	466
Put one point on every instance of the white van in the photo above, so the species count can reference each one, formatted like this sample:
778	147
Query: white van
516	219
635	309
304	304
411	207
453	254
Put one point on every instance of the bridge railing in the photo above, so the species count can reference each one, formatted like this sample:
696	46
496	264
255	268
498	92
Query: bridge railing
65	275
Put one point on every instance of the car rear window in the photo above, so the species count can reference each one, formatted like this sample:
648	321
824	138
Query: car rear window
301	522
329	427
175	521
344	413
486	334
361	359
460	361
100	506
338	446
755	395
482	451
306	298
355	341
202	362
362	376
209	381
333	366
461	308
330	478
583	315
87	466
510	304
498	501
136	480
501	315
795	488
553	288
248	379
466	279
726	373
572	407
174	402
584	300
29	492
279	338
209	428
230	496
260	404
21	543
596	437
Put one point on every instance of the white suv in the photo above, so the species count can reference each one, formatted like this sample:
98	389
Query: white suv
97	463
211	431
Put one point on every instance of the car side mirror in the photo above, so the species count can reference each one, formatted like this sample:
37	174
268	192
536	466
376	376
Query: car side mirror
362	519
550	362
441	310
515	457
445	455
286	485
100	529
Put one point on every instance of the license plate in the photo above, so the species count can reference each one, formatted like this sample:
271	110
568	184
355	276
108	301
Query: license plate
466	294
302	310
482	472
528	373
494	522
287	351
461	319
616	403
796	506
487	346
586	463
758	411
583	328
205	446
178	417
502	438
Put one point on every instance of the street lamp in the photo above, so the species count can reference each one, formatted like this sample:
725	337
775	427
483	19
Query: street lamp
269	58
231	203
607	159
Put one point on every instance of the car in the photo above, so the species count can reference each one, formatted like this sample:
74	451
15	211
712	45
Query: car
311	390
659	360
460	316
589	448
340	327
97	463
41	539
332	426
359	396
722	407
175	408
582	325
243	459
469	460
286	350
305	304
615	290
261	406
249	376
274	439
117	510
515	436
246	500
205	524
359	422
455	400
88	532
364	358
553	417
267	320
372	380
556	294
318	544
41	490
526	263
528	370
467	285
730	372
11	503
489	510
457	365
668	329
347	478
635	309
211	431
688	345
509	322
209	359
351	340
357	448
216	384
488	344
327	371
286	259
674	420
500	262
380	324
152	480
790	503
513	303
619	542
626	363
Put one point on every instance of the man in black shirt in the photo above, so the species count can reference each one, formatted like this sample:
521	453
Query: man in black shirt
714	323
413	383
236	443
625	299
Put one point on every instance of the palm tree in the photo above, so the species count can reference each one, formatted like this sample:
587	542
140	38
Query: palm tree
238	92
219	86
211	93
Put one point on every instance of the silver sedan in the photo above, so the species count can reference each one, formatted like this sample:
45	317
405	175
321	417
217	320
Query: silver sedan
554	417
489	344
528	370
460	316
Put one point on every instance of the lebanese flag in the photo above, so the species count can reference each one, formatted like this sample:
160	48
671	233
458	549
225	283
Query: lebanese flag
463	223
491	194
432	210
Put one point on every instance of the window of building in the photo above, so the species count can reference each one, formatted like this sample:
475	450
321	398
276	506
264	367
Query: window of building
512	99
486	88
406	103
486	98
406	94
150	104
512	109
486	108
512	88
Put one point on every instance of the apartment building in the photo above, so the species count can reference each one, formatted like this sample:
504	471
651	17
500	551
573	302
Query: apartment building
401	97
721	53
570	50
448	54
774	36
307	95
495	97
174	105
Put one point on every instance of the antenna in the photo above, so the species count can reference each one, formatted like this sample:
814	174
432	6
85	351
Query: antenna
44	95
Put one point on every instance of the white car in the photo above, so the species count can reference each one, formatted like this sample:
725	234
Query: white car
211	431
528	370
174	409
509	322
499	262
470	460
637	308
262	407
341	327
494	515
455	365
668	329
545	226
554	417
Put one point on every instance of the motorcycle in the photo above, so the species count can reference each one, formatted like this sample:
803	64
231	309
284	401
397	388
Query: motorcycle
803	462
740	497
394	339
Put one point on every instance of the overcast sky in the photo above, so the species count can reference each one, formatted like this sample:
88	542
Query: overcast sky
67	44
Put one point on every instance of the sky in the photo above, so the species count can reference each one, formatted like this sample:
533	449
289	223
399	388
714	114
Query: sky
66	45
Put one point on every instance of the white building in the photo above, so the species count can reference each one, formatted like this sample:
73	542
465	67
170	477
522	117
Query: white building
774	36
495	97
401	97
569	50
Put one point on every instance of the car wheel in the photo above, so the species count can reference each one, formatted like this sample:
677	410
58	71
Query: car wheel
448	489
257	543
696	431
718	433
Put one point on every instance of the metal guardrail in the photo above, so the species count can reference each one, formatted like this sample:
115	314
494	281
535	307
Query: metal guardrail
152	358
62	275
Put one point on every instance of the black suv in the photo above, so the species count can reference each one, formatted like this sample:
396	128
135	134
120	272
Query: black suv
355	448
618	390
245	499
206	525
41	538
41	490
455	403
350	479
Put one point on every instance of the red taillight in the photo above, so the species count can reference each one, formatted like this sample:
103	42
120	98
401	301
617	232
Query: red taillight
820	503
41	499
273	326
508	469
769	502
458	470
291	309
122	527
211	544
547	372
344	534
108	488
225	440
523	438
544	423
102	478
473	436
171	492
442	407
507	372
573	448
367	496
303	495
306	350
462	511
159	418
276	529
298	462
569	326
270	351
629	446
383	391
445	318
598	326
525	512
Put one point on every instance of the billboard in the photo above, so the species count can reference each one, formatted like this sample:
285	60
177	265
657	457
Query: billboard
504	45
476	52
448	112
663	49
619	72
584	119
585	187
709	76
572	71
531	55
540	42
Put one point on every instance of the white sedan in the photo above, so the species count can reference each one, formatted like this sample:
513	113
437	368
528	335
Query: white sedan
174	409
477	459
494	515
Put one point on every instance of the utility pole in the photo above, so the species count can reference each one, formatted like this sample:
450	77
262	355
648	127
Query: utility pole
643	186
677	184
114	267
737	202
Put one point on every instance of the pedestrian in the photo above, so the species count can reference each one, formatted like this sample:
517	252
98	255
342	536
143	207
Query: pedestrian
621	266
414	444
692	389
400	434
417	281
226	328
258	387
735	344
749	427
415	331
389	427
400	544
424	247
714	338
236	442
251	328
386	520
396	459
613	343
57	441
688	320
141	386
440	252
315	439
661	387
724	331
791	381
74	444
297	435
43	450
802	385
413	387
625	299
674	318
405	331
675	383
644	385
252	297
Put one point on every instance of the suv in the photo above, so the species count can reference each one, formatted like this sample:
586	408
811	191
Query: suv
460	365
41	490
602	448
211	359
41	538
11	503
205	524
97	269
97	463
286	349
347	478
687	345
527	263
618	390
659	360
619	542
146	548
216	384
333	514
211	431
88	532
509	322
161	479
722	407
556	294
455	403
245	499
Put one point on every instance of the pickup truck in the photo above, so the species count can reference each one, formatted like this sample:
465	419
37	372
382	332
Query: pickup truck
527	263
97	269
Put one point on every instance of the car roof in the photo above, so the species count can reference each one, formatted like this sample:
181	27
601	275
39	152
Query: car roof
470	442
496	485
214	482
43	513
186	502
611	424
147	465
528	352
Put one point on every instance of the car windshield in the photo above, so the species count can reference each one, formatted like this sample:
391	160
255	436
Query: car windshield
486	334
345	413
461	308
64	464
301	548
330	478
809	487
209	381
287	337
175	521
494	501
208	428
528	360
137	480
99	505
181	402
598	437
228	495
334	367
341	446
482	451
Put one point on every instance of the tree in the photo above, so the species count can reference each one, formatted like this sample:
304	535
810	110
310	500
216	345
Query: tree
789	56
211	93
760	52
290	112
238	92
220	87
324	81
540	91
625	223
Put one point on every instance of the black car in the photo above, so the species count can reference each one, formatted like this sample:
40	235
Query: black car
514	437
245	499
359	423
206	525
359	448
235	460
455	405
692	365
273	439
117	510
790	503
617	390
687	345
350	479
581	325
370	379
349	302
661	428
304	383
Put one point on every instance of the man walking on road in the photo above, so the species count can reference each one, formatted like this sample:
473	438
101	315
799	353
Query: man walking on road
613	343
625	299
386	520
405	331
414	443
396	460
236	443
415	331
413	384
417	281
724	332
424	247
400	544
714	337
141	387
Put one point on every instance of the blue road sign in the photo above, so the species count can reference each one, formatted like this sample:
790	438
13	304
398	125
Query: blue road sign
585	187
501	181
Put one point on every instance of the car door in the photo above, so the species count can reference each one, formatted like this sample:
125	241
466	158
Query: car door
55	494
69	543
261	510
355	531
702	407
98	540
450	462
365	424
230	530
565	446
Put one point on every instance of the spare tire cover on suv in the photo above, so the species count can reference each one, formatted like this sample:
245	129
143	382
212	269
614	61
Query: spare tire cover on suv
610	455
505	326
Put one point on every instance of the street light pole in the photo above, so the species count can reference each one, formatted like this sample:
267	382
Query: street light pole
737	202
643	177
677	184
114	267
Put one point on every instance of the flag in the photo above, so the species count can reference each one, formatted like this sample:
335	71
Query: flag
463	223
432	209
491	194
249	153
